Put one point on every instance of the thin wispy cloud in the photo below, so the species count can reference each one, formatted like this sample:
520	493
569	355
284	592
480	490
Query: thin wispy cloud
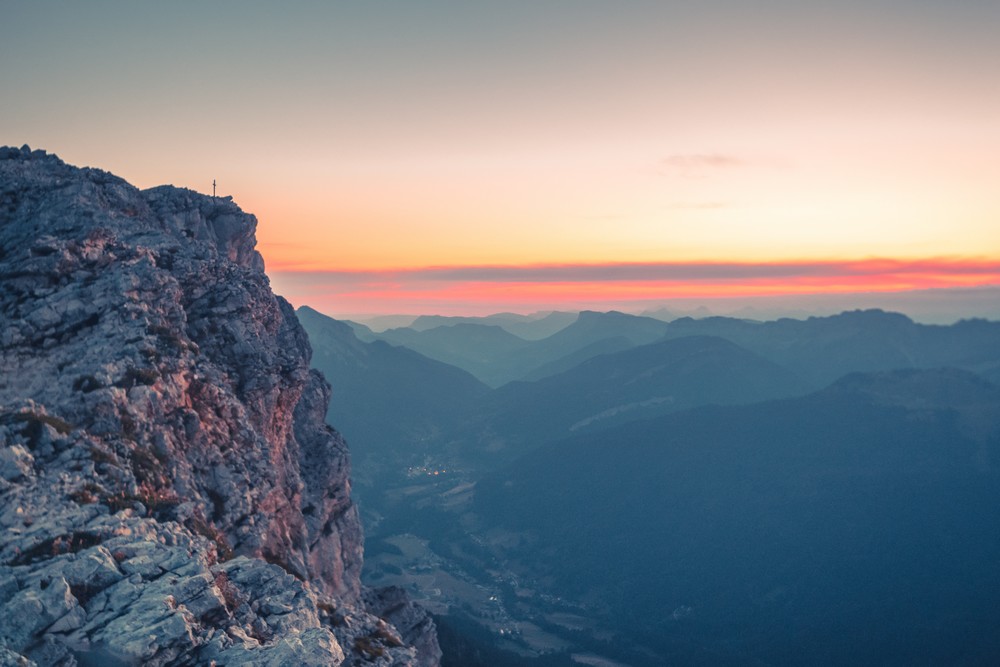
700	206
608	216
697	165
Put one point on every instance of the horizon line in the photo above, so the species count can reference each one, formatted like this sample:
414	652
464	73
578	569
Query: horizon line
689	269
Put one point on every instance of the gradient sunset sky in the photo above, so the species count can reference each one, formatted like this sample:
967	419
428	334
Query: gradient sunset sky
469	157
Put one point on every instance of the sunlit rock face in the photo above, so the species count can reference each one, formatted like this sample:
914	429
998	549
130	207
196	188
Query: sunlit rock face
169	492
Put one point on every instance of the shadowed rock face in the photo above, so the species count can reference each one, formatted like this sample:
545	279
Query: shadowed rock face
169	492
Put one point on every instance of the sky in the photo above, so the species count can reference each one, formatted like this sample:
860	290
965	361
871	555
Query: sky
464	158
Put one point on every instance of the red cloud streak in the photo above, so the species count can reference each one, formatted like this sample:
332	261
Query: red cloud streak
493	288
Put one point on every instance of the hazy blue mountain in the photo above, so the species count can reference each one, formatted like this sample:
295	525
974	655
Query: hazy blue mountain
528	327
538	328
637	383
591	326
382	322
673	313
592	332
483	350
930	306
362	331
856	525
425	322
392	404
822	349
497	356
563	364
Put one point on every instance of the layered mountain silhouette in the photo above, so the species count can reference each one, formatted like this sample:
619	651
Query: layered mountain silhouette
637	383
715	491
821	349
486	351
496	356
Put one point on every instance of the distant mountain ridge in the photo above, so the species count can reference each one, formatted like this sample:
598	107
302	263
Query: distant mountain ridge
609	368
824	348
496	356
528	327
817	348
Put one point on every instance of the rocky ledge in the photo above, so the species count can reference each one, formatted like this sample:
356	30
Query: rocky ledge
169	492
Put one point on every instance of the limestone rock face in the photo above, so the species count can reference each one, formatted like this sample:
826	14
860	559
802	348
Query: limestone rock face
169	492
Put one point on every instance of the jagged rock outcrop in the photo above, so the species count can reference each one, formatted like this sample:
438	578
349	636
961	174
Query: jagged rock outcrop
169	492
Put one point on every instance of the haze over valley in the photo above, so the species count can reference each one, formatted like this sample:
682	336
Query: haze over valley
698	491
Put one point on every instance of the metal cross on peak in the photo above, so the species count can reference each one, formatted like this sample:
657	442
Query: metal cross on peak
213	187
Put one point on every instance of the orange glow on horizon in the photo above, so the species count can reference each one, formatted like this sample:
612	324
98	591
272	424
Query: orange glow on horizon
576	292
543	287
564	134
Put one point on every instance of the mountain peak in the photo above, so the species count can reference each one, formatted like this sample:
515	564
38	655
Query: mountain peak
162	438
870	316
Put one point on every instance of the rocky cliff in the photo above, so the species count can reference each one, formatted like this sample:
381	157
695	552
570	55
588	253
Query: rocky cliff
169	492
